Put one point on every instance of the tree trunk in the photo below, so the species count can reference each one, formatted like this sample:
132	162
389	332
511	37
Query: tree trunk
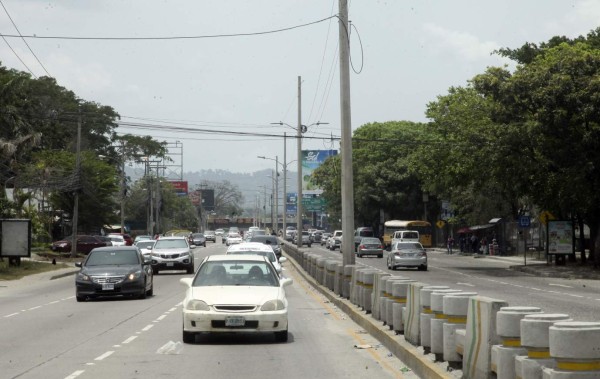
581	240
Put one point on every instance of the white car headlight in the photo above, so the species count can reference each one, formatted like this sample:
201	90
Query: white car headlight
273	305
196	305
185	253
134	275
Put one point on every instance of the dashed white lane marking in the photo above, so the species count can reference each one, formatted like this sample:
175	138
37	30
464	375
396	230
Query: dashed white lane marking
574	295
559	285
148	327
12	314
103	356
75	374
160	318
466	284
30	309
172	309
129	339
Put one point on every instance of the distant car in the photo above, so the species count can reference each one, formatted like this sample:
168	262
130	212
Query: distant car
210	235
324	237
335	240
114	271
235	294
257	248
141	238
117	240
85	244
172	253
106	240
269	240
198	239
145	247
289	233
405	236
219	232
126	237
305	239
360	233
369	246
233	238
407	254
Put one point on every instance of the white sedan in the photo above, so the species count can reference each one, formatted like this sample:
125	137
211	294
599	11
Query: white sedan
233	238
235	294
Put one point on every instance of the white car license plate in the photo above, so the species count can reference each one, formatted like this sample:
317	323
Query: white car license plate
108	286
235	321
170	264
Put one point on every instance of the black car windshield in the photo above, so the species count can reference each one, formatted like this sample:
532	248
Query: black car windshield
236	273
112	257
171	244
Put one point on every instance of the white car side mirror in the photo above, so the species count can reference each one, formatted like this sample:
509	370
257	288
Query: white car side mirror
286	282
186	281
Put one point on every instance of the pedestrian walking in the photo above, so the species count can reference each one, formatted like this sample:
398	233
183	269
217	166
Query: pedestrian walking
449	244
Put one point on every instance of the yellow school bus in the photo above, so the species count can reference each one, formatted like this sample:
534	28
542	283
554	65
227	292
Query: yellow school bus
423	227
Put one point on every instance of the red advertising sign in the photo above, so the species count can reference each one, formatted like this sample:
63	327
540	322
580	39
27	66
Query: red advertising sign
180	187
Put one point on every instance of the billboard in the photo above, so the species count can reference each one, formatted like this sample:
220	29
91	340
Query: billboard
180	187
311	160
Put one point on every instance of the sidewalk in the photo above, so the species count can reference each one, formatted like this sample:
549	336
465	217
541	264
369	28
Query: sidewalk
536	266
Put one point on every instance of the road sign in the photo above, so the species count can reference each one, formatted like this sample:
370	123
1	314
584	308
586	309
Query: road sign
546	216
524	221
440	224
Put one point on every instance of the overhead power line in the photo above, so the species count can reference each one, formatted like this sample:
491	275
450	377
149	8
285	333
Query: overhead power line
35	36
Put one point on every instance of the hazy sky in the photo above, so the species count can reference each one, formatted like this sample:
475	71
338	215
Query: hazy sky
411	52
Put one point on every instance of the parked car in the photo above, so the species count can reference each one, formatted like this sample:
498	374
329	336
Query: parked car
145	247
172	253
198	239
369	246
210	235
257	248
407	254
361	232
271	241
85	244
335	240
235	294
114	271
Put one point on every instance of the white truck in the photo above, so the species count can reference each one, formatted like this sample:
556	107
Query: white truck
405	236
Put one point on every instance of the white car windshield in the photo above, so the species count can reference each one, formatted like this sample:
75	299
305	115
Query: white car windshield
236	273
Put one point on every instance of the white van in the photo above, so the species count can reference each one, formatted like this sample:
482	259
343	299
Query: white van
405	236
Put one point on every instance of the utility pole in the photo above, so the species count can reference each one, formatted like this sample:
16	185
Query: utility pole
284	198
299	145
77	189
122	187
346	145
276	194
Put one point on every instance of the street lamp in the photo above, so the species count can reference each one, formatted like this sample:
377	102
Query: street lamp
300	129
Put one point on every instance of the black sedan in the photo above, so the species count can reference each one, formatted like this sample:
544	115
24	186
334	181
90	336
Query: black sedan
114	271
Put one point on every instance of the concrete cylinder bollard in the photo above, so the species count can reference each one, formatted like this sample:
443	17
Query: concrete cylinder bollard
383	295
368	278
354	285
348	269
399	292
313	264
427	314
456	308
305	261
575	346
389	306
508	327
330	273
321	270
377	294
355	298
338	281
437	322
535	329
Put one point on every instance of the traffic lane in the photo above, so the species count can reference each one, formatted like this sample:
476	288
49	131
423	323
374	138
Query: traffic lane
60	333
494	278
321	345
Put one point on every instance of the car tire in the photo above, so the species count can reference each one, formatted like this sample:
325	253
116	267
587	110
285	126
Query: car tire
359	255
150	292
204	244
380	256
80	298
188	337
155	272
309	245
190	270
281	336
422	268
144	294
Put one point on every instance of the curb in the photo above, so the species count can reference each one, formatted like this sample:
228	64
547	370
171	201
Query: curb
405	351
62	275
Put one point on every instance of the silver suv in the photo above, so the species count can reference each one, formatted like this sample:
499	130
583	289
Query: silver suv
172	253
335	241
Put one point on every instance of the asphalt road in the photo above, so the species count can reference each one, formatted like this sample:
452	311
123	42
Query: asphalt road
45	333
492	277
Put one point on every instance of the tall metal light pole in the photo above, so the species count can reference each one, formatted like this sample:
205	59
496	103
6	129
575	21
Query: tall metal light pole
75	220
299	226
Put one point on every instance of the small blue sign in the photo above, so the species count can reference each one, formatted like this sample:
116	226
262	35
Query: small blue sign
524	221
